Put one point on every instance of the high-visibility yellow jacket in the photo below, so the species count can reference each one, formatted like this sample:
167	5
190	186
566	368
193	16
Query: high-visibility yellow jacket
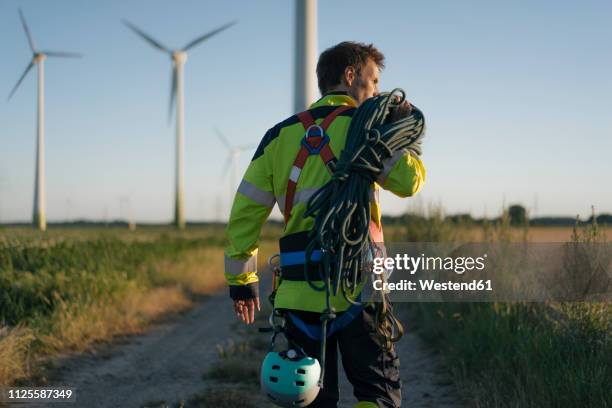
265	183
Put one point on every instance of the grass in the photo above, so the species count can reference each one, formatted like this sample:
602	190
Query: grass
237	363
65	290
75	326
516	355
524	354
14	352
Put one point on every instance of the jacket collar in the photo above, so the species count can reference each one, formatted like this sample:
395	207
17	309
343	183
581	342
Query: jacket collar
337	98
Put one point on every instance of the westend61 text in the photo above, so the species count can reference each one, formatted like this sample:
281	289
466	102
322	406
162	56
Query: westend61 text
430	284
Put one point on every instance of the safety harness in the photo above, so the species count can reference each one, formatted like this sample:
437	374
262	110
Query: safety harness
315	141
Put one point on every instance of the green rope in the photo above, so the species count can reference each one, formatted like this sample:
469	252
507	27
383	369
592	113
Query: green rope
341	207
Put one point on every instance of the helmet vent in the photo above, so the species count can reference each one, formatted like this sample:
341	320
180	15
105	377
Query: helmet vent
276	367
274	379
298	402
301	371
299	383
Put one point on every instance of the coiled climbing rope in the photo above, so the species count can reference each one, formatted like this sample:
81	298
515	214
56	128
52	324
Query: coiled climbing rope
341	207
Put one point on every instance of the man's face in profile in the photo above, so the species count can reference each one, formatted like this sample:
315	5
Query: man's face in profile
365	84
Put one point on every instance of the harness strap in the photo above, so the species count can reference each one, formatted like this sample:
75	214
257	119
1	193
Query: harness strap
314	330
311	145
298	257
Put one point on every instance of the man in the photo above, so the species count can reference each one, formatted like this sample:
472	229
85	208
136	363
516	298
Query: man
347	74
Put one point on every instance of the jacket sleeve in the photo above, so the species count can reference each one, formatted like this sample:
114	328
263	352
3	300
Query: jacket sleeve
252	205
403	174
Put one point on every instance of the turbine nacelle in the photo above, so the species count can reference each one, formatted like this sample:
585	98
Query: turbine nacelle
38	57
179	57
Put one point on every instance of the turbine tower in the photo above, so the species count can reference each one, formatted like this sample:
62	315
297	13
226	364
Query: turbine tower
179	57
38	58
305	54
233	152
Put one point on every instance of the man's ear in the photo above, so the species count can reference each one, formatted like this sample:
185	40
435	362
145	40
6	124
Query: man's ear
349	75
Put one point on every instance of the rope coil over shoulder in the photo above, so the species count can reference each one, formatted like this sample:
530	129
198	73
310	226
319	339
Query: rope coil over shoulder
341	207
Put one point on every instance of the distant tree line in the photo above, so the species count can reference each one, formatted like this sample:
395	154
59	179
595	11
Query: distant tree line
517	213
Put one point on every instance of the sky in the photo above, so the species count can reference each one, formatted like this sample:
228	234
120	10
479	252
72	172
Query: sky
516	97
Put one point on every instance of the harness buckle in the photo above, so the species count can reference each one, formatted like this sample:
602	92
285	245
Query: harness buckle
314	139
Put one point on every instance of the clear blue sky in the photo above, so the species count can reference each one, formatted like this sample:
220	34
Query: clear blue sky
516	94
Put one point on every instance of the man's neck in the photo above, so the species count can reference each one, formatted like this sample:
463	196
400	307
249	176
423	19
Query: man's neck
338	89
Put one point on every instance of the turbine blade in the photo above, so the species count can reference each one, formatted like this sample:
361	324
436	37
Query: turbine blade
27	31
172	93
246	147
28	68
222	138
146	37
228	164
62	54
208	35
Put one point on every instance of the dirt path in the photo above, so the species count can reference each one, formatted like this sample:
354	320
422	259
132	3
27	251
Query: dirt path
167	363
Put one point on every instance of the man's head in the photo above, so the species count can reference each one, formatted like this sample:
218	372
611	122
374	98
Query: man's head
351	67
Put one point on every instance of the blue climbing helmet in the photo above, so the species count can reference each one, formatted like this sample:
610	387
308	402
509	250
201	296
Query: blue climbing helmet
290	378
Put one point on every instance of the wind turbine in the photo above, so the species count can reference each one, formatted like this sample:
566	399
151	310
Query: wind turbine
179	57
305	54
38	58
2	184
233	152
125	211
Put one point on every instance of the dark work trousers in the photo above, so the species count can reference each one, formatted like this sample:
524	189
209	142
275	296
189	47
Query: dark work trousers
374	373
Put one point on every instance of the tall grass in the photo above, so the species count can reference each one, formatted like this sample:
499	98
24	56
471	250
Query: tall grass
522	354
60	292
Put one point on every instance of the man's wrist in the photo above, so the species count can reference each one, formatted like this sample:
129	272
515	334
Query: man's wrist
241	292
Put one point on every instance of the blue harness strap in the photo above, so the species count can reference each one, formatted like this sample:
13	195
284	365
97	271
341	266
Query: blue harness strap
298	257
314	330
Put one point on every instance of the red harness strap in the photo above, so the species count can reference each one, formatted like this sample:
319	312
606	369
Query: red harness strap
311	145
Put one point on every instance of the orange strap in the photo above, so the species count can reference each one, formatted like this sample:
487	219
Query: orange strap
314	142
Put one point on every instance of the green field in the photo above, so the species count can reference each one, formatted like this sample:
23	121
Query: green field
550	354
68	288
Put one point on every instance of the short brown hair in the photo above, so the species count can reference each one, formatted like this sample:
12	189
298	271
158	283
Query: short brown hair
333	61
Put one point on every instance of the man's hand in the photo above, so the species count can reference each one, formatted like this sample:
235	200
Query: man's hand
400	112
245	309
